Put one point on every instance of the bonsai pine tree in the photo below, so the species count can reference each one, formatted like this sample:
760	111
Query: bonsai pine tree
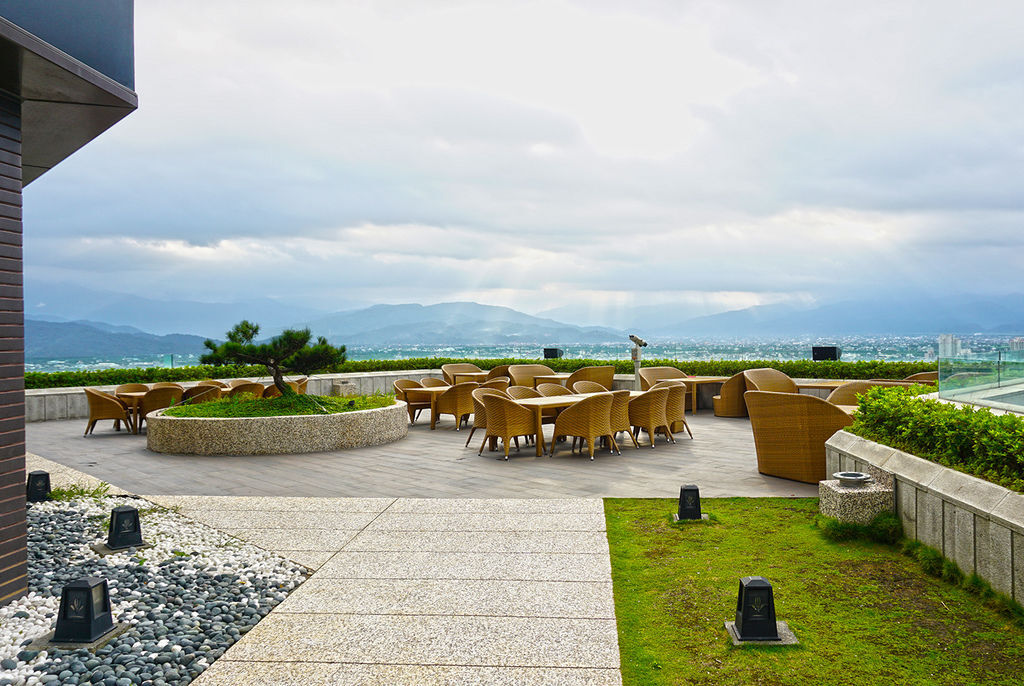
291	352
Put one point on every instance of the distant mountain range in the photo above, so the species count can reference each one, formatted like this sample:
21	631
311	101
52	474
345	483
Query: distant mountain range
57	340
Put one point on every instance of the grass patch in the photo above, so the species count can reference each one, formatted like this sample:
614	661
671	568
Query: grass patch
78	492
248	406
863	611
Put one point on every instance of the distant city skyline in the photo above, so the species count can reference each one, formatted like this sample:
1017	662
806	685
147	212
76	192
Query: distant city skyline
545	155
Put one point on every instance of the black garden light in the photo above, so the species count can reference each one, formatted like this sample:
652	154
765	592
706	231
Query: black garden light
84	614
755	610
689	503
125	530
37	489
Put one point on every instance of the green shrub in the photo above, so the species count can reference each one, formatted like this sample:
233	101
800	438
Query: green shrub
247	406
794	368
972	440
884	528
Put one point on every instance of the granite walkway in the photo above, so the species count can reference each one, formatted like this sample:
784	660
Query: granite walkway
425	591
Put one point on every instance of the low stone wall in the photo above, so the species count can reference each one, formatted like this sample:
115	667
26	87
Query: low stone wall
276	435
977	524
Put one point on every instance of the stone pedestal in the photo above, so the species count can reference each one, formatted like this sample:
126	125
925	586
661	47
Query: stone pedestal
343	389
859	504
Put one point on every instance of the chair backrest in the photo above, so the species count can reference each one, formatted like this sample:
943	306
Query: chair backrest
591	416
522	374
520	392
675	404
271	391
588	387
649	409
500	370
402	385
652	375
238	382
507	418
848	392
300	385
604	375
790	430
499	382
458	399
100	401
168	384
479	409
620	410
252	388
923	377
429	381
668	383
448	369
132	388
768	379
212	382
553	389
159	398
729	401
201	394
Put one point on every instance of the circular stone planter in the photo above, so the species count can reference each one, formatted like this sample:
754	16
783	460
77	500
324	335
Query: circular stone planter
311	433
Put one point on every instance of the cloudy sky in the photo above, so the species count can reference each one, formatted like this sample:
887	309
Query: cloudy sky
711	155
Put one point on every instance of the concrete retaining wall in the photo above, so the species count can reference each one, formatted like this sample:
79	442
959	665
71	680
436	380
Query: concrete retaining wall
977	524
276	435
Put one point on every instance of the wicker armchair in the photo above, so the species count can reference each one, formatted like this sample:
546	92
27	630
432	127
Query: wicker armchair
251	387
480	415
600	375
105	406
201	394
238	382
447	370
500	370
405	390
729	401
506	420
587	387
790	430
520	392
668	383
213	382
272	391
131	388
168	384
499	382
768	379
588	419
652	375
300	385
848	392
924	377
456	401
548	389
523	374
429	381
620	416
156	399
647	412
675	408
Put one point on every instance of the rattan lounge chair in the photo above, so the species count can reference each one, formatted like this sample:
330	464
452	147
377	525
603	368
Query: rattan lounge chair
429	381
168	384
447	370
105	406
500	370
548	389
924	377
729	401
238	382
480	415
768	379
213	382
668	383
456	401
499	382
588	419
250	387
202	394
156	399
848	392
675	407
131	388
620	416
523	374
652	375
506	420
587	387
604	375
790	430
520	392
405	390
647	412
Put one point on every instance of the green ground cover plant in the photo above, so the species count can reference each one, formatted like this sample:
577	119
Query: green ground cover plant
969	439
864	612
794	368
247	406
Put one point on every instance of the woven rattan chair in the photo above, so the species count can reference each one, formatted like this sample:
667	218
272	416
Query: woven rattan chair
429	381
620	415
252	388
131	388
523	374
924	377
447	370
600	375
271	391
156	399
301	385
506	420
790	430
729	401
480	415
405	390
201	394
499	382
520	392
848	392
213	382
647	412
652	375
668	383
238	382
105	406
168	384
547	389
588	419
456	401
587	387
675	407
500	370
768	379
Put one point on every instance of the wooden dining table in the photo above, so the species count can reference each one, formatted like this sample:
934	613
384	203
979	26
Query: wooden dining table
479	377
559	379
695	382
133	399
433	392
538	405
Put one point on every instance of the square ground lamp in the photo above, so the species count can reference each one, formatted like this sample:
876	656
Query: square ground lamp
84	614
37	488
125	530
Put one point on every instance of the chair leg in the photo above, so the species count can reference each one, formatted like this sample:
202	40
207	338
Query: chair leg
516	439
482	444
504	442
590	446
470	437
615	445
89	427
687	427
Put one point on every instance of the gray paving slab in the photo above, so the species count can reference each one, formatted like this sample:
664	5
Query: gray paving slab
496	566
481	541
290	504
406	521
493	506
276	540
321	595
311	559
282	519
418	639
226	672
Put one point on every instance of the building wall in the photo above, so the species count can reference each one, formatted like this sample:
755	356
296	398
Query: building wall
12	358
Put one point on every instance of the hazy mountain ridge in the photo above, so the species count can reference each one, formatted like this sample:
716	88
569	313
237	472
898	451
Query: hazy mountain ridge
77	339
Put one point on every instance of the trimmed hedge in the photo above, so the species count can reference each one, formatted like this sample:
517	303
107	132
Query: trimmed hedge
968	439
794	368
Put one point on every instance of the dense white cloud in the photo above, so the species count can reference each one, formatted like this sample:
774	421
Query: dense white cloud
538	154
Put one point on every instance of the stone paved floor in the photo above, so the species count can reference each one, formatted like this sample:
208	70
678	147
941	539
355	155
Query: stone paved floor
434	464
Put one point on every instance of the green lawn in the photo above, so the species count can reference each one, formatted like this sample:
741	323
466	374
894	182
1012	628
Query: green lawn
863	612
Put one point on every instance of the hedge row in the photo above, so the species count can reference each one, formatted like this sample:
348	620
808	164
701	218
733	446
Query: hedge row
794	368
971	440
